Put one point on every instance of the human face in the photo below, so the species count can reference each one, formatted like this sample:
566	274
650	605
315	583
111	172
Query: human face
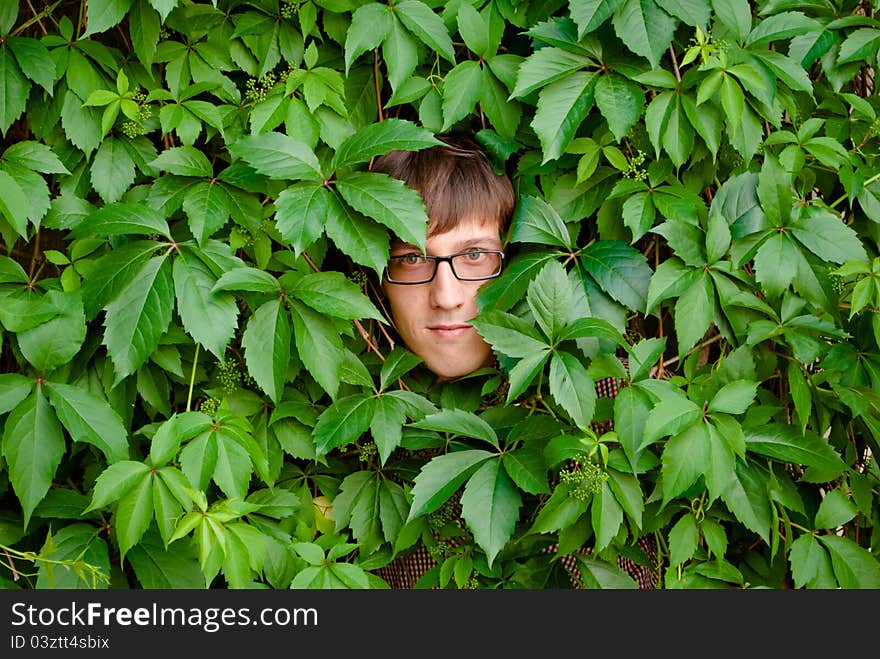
432	318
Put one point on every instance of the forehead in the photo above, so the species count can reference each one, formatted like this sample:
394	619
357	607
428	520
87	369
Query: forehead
467	232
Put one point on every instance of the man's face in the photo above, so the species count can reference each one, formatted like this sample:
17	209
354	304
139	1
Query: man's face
432	317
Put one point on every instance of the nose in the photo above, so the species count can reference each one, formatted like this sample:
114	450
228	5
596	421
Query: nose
447	292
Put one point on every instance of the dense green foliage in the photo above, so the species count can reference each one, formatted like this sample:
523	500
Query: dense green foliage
198	389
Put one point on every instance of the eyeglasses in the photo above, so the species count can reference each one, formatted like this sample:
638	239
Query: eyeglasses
475	265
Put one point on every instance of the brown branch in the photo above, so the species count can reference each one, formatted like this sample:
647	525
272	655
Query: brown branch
378	88
37	16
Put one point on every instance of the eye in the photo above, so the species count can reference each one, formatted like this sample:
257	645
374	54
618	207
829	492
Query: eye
475	256
412	259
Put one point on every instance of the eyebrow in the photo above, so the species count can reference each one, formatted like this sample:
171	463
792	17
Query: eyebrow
479	241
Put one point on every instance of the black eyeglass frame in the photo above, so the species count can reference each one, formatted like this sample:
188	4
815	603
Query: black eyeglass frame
448	259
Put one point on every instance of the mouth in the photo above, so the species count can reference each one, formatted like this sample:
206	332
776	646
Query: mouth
450	331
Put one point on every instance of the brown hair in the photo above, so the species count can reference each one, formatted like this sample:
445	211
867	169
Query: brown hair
454	180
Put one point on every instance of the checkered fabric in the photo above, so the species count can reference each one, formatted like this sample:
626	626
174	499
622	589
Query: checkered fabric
406	569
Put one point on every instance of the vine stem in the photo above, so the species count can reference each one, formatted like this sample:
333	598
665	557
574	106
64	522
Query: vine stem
700	346
864	185
37	18
192	379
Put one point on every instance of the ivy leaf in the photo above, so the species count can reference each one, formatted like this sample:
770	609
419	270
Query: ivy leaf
55	341
14	90
528	469
35	156
89	419
14	388
300	212
503	113
13	204
694	313
397	362
183	161
620	270
461	91
112	272
590	14
441	477
631	409
490	505
380	138
550	299
685	458
319	346
207	205
786	444
389	201
427	26
104	14
370	25
826	236
461	423
746	497
536	221
562	106
122	218
75	542
112	171
362	239
645	28
138	316
33	445
179	428
572	387
343	422
278	156
606	516
266	345
334	294
835	510
620	101
670	416
734	397
247	279
134	513
211	318
854	566
776	264
389	415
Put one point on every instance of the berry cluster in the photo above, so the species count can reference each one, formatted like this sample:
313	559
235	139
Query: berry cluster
635	170
288	9
442	550
838	283
257	90
229	376
359	277
367	452
209	406
444	514
583	478
135	127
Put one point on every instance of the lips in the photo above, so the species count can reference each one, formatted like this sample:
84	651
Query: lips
449	331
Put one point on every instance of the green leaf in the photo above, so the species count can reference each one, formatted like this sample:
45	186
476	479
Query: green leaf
397	362
211	318
427	26
620	101
184	161
365	241
621	271
670	416
441	477
35	156
691	12
318	345
389	415
138	316
13	204
134	513
528	469
536	221
775	264
157	568
14	90
854	566
590	14
104	14
116	481
694	313
207	205
266	345
55	342
122	218
783	25
824	234
112	171
645	29
300	212
334	294
490	505
562	106
572	388
278	156
683	540
89	419
370	25
550	299
685	458
631	409
786	444
460	423
343	422
544	66
33	445
380	138
503	113
77	542
509	334
734	397
461	91
735	15
179	428
112	272
835	510
14	388
389	201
